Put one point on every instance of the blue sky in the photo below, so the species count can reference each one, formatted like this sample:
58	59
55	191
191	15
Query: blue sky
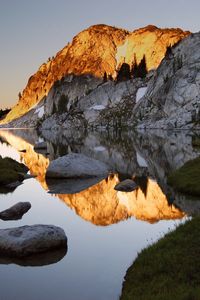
31	31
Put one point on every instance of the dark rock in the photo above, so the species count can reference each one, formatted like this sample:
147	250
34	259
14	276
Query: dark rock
127	185
15	212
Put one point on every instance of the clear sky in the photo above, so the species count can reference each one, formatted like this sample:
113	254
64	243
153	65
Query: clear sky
33	30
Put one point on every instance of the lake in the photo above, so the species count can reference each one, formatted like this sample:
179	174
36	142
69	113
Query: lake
106	229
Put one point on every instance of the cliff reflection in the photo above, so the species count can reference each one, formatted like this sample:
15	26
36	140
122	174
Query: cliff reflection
100	203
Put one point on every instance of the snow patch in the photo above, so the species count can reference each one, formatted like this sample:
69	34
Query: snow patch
97	107
141	161
40	112
99	148
140	93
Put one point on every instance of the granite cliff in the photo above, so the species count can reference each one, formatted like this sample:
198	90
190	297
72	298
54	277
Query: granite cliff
93	52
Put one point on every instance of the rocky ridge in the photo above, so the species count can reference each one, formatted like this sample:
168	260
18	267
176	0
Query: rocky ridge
94	51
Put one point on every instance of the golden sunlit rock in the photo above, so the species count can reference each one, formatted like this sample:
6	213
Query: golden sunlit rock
96	50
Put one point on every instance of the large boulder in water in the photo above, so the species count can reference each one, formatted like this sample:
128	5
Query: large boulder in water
76	165
29	240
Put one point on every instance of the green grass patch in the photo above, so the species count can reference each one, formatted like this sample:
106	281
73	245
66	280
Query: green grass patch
11	171
169	269
187	178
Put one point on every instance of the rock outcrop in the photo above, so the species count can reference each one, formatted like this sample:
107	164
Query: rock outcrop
94	51
172	99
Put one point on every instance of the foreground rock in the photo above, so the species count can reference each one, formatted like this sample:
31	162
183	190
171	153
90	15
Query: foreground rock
76	166
15	212
127	185
29	240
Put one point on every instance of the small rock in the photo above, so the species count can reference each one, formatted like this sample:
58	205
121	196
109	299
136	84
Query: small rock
15	212
76	165
40	146
127	185
29	240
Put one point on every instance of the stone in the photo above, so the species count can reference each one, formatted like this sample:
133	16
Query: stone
126	185
29	240
40	146
76	165
15	212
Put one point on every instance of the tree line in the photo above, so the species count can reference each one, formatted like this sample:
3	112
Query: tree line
126	72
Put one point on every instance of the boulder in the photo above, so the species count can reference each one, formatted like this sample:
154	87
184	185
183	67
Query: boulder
76	165
30	240
127	185
15	212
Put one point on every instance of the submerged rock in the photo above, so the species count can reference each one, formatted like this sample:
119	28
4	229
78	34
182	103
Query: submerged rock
29	240
76	165
15	212
127	185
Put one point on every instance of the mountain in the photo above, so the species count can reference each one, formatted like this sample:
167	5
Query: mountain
94	51
172	99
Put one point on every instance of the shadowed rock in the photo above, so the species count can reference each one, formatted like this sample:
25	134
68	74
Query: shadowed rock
30	240
71	186
36	260
127	185
15	212
76	165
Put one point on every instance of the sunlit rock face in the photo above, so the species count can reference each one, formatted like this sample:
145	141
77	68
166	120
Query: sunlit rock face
96	50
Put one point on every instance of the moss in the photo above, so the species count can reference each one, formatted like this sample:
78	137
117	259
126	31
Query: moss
187	178
11	171
169	269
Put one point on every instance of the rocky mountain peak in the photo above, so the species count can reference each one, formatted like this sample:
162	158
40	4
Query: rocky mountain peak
96	50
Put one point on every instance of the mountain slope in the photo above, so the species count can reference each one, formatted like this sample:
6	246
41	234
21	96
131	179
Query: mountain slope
173	96
96	50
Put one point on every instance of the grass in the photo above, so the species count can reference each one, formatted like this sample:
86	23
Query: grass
169	269
187	178
11	171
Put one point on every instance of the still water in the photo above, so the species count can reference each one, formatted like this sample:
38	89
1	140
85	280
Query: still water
105	229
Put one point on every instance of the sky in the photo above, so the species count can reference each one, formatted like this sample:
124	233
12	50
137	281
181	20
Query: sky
31	31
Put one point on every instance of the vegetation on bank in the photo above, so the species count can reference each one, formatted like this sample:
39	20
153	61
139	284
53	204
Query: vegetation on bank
169	269
187	178
11	171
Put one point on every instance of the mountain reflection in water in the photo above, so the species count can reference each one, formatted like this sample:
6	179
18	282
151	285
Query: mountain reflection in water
136	156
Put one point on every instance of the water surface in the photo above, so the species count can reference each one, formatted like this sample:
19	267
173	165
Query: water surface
105	229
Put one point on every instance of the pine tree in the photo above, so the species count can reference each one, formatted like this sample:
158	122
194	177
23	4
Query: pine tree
124	73
105	77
